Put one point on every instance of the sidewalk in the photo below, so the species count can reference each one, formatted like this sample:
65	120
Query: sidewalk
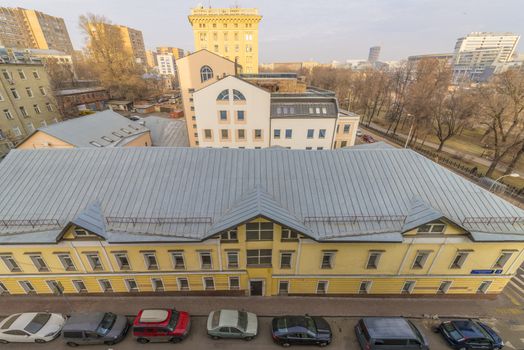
501	307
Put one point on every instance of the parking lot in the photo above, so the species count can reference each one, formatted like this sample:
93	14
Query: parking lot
342	327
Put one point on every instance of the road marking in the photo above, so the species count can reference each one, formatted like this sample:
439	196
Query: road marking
516	286
509	345
512	296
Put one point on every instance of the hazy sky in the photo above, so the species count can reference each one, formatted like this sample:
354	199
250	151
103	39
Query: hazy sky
322	30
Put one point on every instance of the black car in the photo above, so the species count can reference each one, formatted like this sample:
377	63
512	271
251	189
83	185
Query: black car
470	334
301	330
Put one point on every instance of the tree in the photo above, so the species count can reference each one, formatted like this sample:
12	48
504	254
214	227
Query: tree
61	74
400	79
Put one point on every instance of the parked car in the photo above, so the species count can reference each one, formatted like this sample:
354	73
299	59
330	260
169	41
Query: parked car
95	328
359	132
301	330
368	138
31	327
161	325
389	333
470	334
232	324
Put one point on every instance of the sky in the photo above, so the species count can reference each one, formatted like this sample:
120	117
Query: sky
300	30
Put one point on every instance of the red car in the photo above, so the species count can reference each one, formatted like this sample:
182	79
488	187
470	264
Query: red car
368	139
161	325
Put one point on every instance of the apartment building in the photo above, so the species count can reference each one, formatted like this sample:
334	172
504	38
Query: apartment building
196	221
195	72
478	51
166	64
22	28
26	101
229	32
175	51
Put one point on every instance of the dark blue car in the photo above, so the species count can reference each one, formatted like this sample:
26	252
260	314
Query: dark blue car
470	334
301	330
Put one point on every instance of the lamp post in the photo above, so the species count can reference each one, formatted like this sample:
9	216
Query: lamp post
503	176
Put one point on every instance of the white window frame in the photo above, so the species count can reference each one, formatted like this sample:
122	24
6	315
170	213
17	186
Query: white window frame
201	255
425	260
54	286
331	260
496	265
38	257
100	282
153	279
378	255
326	286
290	260
368	286
42	90
461	262
36	75
27	290
121	267
127	281
181	254
179	284
29	92
15	265
409	290
287	289
449	284
91	262
3	289
17	131
229	282
77	288
489	284
146	261
208	278
431	226
62	256
15	93
236	253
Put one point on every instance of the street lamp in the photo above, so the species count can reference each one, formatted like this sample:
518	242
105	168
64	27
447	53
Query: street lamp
510	175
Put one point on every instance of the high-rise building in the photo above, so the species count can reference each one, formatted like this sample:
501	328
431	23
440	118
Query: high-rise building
229	32
374	53
151	58
166	64
22	28
478	51
175	51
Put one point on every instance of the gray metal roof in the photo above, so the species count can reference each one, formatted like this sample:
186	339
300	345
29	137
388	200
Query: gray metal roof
152	194
167	132
375	145
81	131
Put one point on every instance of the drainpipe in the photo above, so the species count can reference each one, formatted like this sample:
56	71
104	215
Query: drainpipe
219	252
107	257
437	255
78	256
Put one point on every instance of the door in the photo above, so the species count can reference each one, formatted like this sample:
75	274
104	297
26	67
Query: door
256	287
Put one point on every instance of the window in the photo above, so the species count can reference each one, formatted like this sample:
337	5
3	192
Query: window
285	260
483	287
435	228
502	259
408	286
224	134
15	93
289	133
11	264
42	90
8	114
238	96
240	115
105	285
322	134
1	97
158	284
347	127
276	133
258	134
80	232
94	261
3	289
324	110
459	260
310	133
205	260
259	257
123	261
207	134
232	260
364	287
23	111
131	285
37	109
283	287
234	283
444	287
259	231
36	75
39	263
151	262
21	74
29	92
288	234
178	260
343	144
209	283
6	74
241	134
96	144
17	132
420	259
229	235
27	287
206	73
327	260
67	262
322	287
223	115
223	96
373	259
183	283
30	127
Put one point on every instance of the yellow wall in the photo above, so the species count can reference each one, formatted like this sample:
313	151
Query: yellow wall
143	141
41	139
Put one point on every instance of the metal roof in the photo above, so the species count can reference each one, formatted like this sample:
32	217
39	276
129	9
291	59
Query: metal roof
98	127
150	194
167	132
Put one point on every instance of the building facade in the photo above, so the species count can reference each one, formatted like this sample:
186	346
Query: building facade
229	32
374	54
22	28
196	71
71	102
166	64
249	222
175	51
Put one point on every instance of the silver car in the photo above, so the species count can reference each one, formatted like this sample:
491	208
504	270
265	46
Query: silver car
232	324
95	328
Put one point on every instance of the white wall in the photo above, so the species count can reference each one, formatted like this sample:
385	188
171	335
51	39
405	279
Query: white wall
300	127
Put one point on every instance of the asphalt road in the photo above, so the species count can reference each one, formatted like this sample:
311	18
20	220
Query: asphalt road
342	327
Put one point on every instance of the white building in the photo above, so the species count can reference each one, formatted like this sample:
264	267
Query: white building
166	64
478	51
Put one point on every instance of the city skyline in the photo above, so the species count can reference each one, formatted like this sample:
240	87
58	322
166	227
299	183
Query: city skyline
334	29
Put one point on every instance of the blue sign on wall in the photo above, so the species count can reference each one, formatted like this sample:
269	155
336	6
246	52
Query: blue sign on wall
486	272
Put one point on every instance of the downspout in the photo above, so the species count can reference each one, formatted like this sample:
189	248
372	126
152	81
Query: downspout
107	257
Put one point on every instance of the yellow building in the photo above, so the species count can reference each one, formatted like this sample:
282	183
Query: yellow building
166	50
22	28
101	129
258	222
229	32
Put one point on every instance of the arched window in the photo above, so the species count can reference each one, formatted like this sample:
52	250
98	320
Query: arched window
223	96
206	73
238	96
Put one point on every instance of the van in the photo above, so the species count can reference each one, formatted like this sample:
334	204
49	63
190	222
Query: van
389	333
95	328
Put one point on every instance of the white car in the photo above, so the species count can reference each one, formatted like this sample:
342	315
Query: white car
31	327
359	132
